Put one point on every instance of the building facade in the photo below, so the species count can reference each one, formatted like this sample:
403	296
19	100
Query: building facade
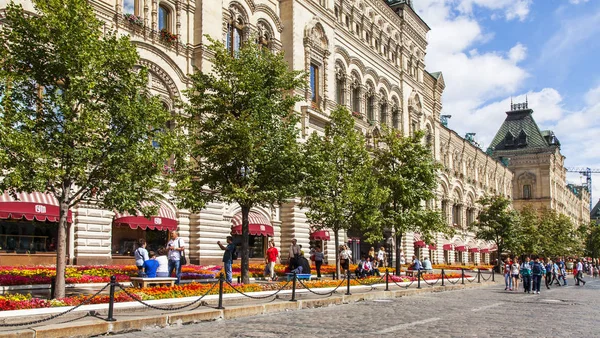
540	177
367	55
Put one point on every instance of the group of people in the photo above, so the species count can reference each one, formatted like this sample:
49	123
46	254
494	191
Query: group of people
163	262
531	272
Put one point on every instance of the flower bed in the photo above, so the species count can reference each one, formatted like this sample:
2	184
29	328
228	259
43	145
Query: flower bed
459	267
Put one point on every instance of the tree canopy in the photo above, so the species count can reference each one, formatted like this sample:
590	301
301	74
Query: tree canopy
407	171
76	118
241	134
340	190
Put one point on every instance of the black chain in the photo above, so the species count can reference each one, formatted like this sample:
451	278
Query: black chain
135	297
470	280
365	284
258	297
85	301
486	279
402	286
430	284
323	293
451	282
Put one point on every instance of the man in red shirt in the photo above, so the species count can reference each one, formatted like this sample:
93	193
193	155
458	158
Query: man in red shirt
272	256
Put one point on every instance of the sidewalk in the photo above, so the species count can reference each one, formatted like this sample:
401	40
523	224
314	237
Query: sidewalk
90	321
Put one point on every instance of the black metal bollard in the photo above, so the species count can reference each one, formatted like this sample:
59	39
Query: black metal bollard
52	287
239	279
463	275
293	288
493	275
418	279
221	281
442	277
387	279
478	275
348	285
333	276
111	299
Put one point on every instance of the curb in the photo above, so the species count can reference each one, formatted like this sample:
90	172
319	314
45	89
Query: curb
96	326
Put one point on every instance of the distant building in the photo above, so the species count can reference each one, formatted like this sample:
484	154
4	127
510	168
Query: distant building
595	214
539	173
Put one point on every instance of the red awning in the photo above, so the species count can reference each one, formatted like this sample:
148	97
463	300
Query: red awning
320	235
432	247
460	248
494	248
473	249
447	247
420	244
484	251
258	225
166	220
31	206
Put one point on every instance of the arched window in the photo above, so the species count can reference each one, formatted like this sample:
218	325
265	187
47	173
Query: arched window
395	116
264	36
235	30
526	191
340	85
356	93
383	109
370	106
164	18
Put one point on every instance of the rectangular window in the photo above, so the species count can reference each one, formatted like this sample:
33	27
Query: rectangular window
314	83
526	191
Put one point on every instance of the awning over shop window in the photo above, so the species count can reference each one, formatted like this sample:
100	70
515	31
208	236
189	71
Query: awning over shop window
322	235
484	251
432	247
417	240
258	224
447	247
473	249
165	220
31	206
460	248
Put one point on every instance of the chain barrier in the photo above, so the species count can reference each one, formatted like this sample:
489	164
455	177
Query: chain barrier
84	302
402	286
449	280
430	284
323	293
470	280
486	279
136	298
258	297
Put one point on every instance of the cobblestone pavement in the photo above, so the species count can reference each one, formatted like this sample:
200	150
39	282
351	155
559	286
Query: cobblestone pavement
481	312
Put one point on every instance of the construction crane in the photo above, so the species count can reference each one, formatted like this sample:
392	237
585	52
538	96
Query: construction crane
587	172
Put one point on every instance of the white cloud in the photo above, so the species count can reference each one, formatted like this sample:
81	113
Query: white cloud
576	2
517	53
515	9
592	97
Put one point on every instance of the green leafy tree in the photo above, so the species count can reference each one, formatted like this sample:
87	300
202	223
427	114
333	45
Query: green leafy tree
499	223
529	238
340	190
76	119
408	172
590	233
558	236
241	146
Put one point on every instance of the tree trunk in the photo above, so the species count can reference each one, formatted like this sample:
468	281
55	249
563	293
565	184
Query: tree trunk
336	244
398	250
245	245
61	251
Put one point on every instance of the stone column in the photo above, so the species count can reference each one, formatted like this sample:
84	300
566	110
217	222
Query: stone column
91	234
184	231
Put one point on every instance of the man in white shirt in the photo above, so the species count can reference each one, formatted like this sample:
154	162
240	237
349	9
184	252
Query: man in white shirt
176	246
578	279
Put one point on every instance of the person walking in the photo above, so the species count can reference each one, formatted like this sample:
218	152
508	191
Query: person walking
228	258
537	271
319	256
549	270
579	276
381	257
271	259
562	272
507	275
175	246
345	258
526	274
514	272
141	255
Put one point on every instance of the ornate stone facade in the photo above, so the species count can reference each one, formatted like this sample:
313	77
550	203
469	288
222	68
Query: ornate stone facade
365	54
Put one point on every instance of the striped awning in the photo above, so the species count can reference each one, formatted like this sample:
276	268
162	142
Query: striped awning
448	247
484	251
31	206
258	224
473	249
165	220
417	240
460	248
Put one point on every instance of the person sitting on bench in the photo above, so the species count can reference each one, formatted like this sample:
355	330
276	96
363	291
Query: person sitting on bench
365	268
163	263
151	265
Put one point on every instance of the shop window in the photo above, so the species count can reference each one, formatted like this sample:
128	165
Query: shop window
258	245
164	18
124	239
28	237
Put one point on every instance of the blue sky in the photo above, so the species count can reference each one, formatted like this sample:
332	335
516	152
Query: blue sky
547	50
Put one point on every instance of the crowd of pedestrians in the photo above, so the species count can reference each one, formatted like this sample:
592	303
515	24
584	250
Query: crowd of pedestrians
162	263
531	272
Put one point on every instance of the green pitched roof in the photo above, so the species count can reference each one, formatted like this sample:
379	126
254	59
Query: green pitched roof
519	131
436	75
